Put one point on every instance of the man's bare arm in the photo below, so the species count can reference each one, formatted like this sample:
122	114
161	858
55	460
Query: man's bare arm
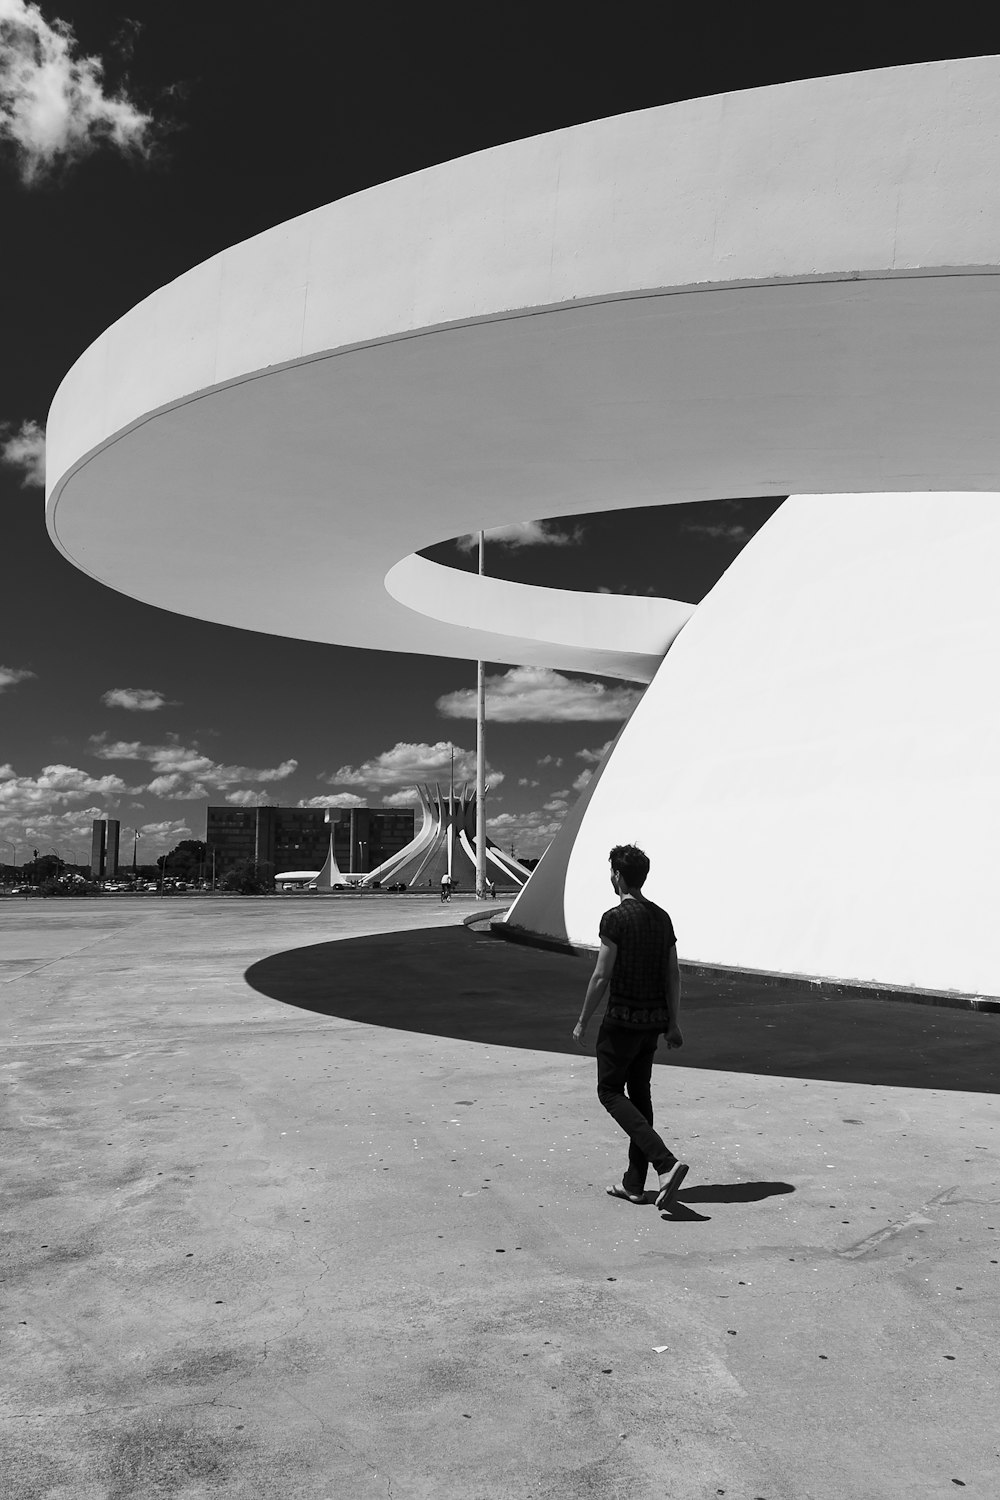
673	1033
597	988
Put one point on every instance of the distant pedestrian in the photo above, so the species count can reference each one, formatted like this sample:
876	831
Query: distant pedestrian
446	887
638	962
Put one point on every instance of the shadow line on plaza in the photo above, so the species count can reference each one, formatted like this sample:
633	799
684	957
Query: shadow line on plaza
453	982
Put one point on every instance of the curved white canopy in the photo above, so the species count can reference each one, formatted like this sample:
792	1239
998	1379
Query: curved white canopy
786	290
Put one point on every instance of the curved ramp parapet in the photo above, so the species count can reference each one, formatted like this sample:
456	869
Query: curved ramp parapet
786	291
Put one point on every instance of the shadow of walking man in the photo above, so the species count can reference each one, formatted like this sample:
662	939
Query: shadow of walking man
719	1192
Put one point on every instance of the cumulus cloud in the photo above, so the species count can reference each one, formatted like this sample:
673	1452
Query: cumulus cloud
24	449
530	833
541	696
177	789
408	763
158	838
54	108
524	534
406	798
550	760
11	676
183	773
592	757
584	779
57	786
337	799
68	832
526	781
138	700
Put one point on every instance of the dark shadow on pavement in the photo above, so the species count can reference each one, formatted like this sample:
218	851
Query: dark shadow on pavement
680	1211
453	982
732	1192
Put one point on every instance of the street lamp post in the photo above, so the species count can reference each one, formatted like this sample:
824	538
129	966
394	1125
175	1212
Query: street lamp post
256	833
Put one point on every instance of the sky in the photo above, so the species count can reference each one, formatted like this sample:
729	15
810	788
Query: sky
136	141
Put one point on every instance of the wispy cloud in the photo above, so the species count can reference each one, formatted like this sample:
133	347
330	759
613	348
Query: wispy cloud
720	530
593	756
138	700
54	108
406	763
524	534
183	773
11	676
24	449
333	799
539	695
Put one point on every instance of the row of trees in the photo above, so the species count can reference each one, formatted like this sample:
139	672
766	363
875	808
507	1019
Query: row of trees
189	863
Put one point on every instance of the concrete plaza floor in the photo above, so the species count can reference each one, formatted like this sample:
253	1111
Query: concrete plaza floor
251	1249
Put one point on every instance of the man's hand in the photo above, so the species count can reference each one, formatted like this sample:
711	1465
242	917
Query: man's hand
578	1031
674	1038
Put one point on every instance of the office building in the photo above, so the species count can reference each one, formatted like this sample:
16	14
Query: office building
111	848
298	838
104	848
97	848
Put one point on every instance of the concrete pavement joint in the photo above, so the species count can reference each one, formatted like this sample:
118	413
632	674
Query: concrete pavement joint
58	1413
60	958
918	1216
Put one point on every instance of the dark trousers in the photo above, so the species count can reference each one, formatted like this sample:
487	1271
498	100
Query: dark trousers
625	1061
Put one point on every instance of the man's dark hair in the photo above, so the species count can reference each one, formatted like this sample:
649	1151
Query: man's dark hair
628	861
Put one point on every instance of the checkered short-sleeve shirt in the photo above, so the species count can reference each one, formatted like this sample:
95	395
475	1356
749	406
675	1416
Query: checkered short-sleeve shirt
643	935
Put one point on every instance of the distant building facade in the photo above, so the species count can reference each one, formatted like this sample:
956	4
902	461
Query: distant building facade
104	848
298	838
111	848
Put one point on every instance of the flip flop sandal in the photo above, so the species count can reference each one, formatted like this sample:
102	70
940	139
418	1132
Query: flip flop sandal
619	1192
666	1195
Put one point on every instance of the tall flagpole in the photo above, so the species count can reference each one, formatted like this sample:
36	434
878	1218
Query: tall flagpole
451	811
481	757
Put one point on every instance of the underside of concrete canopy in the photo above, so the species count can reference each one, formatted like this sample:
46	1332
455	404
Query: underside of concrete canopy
791	290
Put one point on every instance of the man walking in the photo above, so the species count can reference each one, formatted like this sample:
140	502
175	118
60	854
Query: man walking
638	961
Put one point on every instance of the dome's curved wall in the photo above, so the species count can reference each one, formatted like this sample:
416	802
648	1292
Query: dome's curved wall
814	769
